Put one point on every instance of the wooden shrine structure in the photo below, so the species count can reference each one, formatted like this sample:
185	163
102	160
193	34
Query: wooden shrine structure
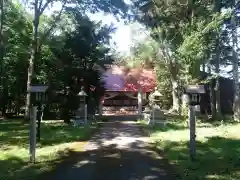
127	90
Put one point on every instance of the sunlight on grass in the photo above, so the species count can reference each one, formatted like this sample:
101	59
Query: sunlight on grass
218	150
56	138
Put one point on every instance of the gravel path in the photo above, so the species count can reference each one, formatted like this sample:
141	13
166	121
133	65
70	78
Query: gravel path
119	151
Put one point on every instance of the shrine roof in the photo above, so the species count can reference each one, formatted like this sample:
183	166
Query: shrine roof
120	78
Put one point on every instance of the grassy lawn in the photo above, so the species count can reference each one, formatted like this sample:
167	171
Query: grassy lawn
56	138
218	150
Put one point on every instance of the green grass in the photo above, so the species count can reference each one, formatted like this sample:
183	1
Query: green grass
218	150
56	138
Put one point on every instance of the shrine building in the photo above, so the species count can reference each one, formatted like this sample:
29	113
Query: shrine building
127	89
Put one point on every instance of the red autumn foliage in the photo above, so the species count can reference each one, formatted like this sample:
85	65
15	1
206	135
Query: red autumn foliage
135	78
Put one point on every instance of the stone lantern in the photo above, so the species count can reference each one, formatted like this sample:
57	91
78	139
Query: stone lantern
155	97
81	112
82	95
156	115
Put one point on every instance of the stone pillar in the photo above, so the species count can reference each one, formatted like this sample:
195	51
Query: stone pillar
140	101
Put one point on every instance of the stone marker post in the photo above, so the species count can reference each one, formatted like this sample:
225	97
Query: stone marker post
192	128
194	92
32	149
39	119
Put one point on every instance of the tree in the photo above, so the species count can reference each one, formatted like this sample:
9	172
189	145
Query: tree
185	33
145	53
17	29
1	46
236	102
39	7
75	58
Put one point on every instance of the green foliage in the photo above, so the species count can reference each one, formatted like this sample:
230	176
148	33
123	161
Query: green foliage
74	55
185	31
173	140
189	35
69	47
17	31
56	139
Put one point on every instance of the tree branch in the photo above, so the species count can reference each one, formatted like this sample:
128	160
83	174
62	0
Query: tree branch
41	7
54	24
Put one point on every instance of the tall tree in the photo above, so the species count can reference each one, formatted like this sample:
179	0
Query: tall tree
236	103
39	7
1	48
75	58
185	35
17	29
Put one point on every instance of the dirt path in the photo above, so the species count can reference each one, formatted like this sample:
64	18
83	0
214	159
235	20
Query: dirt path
119	151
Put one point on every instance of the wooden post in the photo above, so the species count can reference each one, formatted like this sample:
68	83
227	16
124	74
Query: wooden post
32	149
192	128
39	118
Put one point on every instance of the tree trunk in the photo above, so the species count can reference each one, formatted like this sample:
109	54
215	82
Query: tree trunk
236	103
32	59
217	84
175	87
175	97
175	91
218	99
173	69
212	94
217	7
213	99
18	104
1	53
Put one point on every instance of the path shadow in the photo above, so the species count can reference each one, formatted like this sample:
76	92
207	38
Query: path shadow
108	163
137	160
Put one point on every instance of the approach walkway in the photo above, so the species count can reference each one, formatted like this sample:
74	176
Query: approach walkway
119	151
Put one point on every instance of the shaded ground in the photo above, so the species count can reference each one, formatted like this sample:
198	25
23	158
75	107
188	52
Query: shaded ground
118	152
218	149
56	136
